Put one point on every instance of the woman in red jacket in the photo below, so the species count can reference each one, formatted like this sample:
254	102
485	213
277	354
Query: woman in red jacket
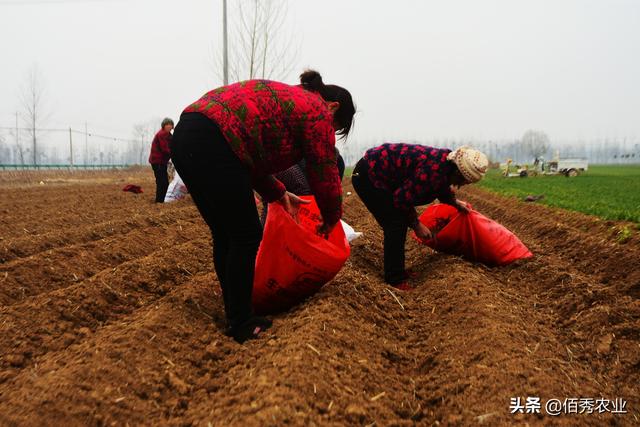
230	142
159	158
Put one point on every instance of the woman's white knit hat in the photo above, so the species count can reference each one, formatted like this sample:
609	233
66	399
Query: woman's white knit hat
472	163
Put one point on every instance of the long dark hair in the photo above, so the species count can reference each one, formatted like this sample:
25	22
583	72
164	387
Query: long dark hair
312	81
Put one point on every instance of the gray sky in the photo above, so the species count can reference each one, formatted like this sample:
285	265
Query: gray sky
418	70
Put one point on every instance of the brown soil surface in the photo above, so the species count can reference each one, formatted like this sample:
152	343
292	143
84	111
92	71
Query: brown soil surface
110	314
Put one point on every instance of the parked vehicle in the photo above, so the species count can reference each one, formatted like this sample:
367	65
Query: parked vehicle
566	167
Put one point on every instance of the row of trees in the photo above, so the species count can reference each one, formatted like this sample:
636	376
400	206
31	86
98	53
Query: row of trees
88	148
54	148
525	149
261	45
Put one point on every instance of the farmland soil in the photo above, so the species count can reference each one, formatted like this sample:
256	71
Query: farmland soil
111	314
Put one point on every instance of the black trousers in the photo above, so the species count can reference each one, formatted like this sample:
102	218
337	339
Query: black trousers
220	186
392	220
162	181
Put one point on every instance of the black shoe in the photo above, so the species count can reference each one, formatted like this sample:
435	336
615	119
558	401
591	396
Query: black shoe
250	329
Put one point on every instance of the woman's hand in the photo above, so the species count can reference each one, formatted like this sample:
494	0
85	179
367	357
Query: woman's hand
462	206
324	229
423	232
291	203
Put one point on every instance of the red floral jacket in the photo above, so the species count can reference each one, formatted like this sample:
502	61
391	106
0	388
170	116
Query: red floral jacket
271	126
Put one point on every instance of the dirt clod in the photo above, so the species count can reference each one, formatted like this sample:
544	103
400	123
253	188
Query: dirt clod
604	344
15	360
176	383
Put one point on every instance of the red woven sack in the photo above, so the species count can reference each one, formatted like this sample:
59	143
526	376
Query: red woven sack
471	235
293	261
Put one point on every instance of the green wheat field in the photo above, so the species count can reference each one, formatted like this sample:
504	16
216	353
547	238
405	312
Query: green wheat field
610	192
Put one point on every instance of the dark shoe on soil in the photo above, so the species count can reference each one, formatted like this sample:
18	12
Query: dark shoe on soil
250	329
409	274
404	286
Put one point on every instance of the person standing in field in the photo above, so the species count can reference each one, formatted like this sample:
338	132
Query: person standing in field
230	142
394	178
159	158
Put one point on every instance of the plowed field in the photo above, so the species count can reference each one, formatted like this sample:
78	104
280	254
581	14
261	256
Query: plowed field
110	314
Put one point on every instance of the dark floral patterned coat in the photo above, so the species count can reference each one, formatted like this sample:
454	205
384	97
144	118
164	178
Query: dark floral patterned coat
415	174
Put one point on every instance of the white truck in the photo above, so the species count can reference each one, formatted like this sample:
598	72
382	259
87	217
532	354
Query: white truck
568	167
557	166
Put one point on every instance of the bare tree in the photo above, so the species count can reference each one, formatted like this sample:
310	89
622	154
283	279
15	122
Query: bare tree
18	148
535	143
16	135
33	103
143	134
259	44
4	151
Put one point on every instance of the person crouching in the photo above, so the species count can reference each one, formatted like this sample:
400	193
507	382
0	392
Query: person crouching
394	178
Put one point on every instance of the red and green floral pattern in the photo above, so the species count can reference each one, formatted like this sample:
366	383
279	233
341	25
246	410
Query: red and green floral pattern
271	126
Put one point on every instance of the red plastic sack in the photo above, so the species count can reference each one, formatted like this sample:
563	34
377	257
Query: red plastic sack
132	188
471	235
294	262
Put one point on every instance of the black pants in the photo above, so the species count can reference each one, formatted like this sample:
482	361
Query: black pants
392	220
220	186
162	181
